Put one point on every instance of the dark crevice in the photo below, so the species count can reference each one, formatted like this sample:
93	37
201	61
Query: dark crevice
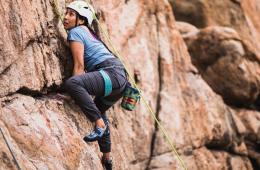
254	163
188	12
134	162
219	149
229	165
158	108
40	94
227	149
28	92
6	69
45	92
252	142
194	72
158	102
237	2
256	104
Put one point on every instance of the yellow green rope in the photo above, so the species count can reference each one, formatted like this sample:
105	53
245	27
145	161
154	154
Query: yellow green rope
143	99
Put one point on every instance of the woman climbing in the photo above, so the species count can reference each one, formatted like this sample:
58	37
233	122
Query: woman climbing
104	78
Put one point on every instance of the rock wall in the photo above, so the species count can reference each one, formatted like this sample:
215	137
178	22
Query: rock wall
242	15
46	133
225	51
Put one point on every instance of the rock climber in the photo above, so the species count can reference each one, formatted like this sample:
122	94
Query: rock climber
96	72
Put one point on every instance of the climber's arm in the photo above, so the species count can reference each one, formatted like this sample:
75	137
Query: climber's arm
77	50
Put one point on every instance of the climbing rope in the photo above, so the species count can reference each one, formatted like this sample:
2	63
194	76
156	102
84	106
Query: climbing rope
172	146
163	130
15	160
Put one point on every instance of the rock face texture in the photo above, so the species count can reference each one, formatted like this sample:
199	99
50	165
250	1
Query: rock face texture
242	15
181	88
30	47
229	66
225	51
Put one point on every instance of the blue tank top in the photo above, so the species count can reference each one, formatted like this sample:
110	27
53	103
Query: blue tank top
94	51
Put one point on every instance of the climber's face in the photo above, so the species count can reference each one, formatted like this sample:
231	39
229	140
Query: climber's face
69	20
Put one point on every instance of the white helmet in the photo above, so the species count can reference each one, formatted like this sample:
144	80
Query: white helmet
84	9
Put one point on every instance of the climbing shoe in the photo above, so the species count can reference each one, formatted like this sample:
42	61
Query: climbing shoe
96	134
107	164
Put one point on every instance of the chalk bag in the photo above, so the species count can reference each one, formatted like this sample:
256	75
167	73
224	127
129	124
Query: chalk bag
131	96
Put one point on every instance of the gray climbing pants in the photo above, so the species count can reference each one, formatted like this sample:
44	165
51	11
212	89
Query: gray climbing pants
82	87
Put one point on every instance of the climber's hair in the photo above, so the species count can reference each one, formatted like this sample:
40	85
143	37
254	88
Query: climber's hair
94	30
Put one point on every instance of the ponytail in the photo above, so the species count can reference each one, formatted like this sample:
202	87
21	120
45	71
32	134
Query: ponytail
94	29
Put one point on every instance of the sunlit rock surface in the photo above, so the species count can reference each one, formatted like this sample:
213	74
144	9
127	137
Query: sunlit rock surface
46	133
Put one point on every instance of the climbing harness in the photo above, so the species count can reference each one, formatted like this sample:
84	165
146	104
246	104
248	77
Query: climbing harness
15	160
163	130
108	83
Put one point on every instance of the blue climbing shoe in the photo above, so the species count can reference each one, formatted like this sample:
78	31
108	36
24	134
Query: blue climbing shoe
96	134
